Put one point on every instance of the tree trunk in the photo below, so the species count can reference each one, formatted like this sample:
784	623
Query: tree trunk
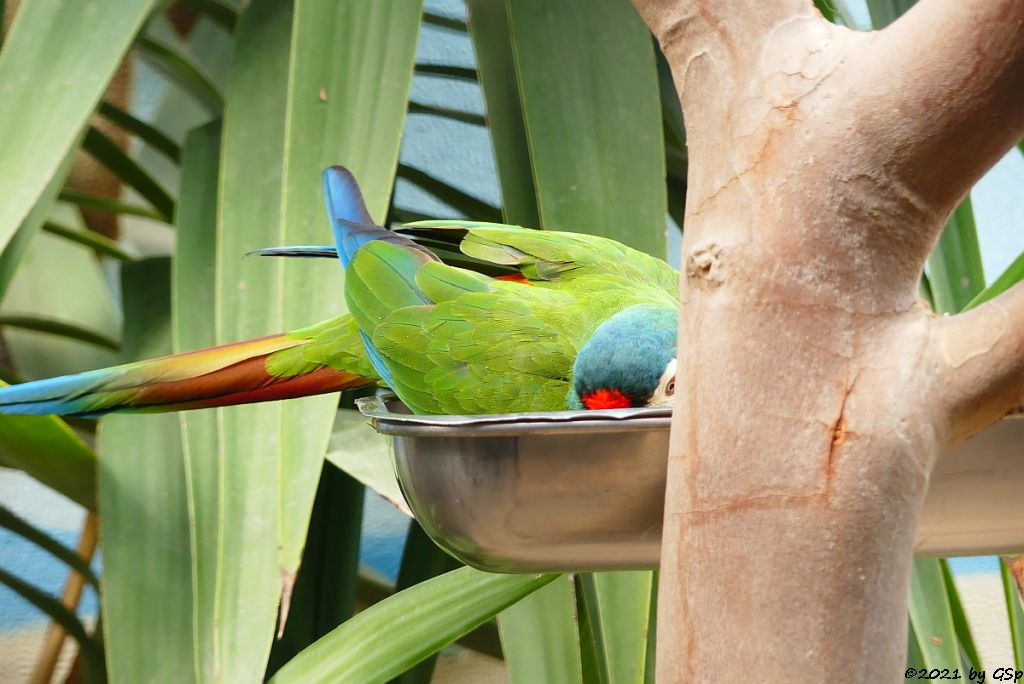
817	390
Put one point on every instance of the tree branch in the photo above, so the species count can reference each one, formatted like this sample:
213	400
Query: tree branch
980	359
737	25
734	87
961	62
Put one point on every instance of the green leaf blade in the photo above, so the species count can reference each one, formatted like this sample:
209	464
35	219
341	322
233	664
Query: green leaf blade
64	282
421	560
359	125
931	616
1013	274
960	624
102	203
192	304
418	622
58	328
1015	609
240	519
540	638
181	69
56	62
620	602
144	511
105	151
604	101
492	45
298	100
328	582
50	451
145	132
92	240
955	271
10	259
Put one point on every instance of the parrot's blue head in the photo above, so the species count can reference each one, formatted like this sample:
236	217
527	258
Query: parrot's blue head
629	361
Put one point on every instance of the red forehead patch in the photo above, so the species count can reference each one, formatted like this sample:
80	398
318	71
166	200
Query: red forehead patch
606	399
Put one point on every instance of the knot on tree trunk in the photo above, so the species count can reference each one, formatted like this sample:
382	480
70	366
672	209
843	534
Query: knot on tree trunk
704	266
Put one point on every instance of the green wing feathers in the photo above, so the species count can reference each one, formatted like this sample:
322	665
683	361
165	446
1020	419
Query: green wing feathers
477	352
560	258
380	279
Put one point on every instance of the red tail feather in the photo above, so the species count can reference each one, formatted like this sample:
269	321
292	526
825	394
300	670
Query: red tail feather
245	382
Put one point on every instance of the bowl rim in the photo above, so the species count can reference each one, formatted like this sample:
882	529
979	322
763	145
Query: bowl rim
386	420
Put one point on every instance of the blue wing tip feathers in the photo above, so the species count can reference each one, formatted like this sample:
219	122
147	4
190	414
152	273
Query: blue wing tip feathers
344	199
350	220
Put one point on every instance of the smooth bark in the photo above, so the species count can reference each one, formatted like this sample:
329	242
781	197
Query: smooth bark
817	390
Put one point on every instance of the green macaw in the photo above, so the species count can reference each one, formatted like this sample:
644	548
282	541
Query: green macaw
528	321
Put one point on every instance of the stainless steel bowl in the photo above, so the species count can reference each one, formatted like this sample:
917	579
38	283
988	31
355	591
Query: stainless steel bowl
534	492
567	491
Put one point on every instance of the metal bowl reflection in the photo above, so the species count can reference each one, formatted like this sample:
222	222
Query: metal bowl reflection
534	492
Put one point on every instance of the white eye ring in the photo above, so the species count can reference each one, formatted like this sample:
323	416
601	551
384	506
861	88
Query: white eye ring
666	386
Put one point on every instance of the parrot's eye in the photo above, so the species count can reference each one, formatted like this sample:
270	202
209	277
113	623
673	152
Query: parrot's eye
665	388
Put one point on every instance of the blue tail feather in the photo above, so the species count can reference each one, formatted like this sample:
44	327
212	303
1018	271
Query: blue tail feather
61	395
